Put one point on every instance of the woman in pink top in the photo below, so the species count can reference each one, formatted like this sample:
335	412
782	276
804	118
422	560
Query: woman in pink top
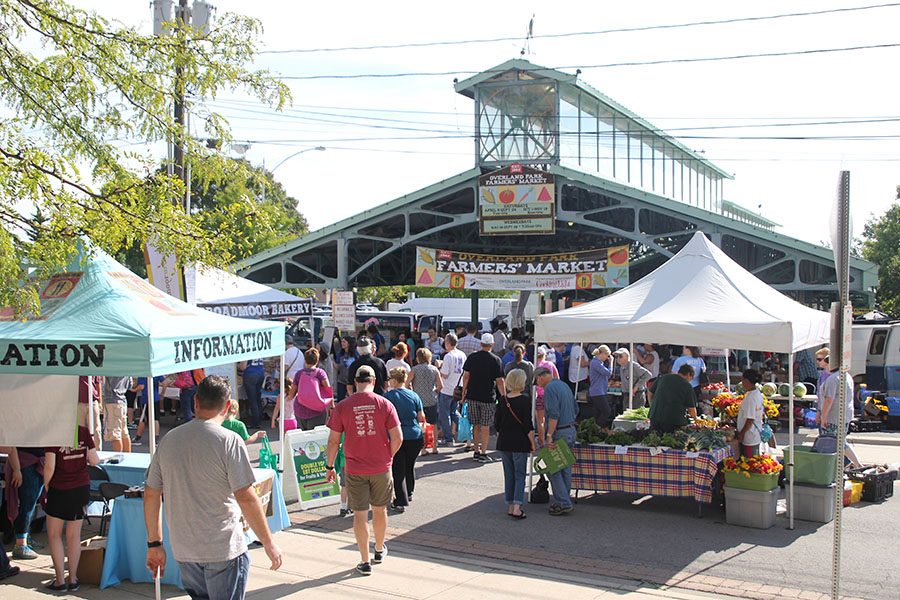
539	398
307	417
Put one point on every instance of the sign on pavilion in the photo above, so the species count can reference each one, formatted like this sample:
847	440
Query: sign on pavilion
516	200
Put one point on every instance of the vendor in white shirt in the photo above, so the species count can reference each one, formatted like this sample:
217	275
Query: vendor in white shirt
750	417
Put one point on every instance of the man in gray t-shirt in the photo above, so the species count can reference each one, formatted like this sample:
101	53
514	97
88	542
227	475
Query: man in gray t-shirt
205	473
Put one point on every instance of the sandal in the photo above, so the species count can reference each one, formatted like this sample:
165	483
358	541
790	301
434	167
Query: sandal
521	515
53	587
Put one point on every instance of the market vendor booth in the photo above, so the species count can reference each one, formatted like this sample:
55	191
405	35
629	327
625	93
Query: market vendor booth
98	318
699	297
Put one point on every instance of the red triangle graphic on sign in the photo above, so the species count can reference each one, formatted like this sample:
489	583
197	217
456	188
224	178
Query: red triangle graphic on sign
425	278
544	196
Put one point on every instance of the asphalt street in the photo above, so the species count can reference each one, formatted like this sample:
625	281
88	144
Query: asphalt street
457	497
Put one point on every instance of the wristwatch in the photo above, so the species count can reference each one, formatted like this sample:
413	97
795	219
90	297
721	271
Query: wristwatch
155	544
329	468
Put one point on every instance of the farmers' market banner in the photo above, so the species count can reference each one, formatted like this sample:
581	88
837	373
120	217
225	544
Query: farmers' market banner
588	269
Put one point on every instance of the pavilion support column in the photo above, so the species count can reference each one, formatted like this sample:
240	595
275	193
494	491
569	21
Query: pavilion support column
474	295
343	265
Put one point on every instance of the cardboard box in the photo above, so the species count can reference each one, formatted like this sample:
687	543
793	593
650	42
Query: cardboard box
90	566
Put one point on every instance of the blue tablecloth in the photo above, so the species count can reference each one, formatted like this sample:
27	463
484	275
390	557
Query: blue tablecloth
130	471
126	547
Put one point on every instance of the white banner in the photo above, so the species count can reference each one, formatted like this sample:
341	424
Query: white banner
38	410
163	271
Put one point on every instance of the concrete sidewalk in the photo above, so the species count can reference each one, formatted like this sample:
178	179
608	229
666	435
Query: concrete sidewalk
322	564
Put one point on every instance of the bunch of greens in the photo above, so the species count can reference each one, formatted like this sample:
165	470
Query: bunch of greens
704	439
636	414
667	440
589	432
618	437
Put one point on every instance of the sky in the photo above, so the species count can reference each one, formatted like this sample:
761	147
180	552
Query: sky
790	181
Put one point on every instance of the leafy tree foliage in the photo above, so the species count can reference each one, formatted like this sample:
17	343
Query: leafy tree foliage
881	245
77	93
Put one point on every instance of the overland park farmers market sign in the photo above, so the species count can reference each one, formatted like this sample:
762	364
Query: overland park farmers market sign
516	200
589	269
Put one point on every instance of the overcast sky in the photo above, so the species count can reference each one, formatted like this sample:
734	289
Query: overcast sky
792	181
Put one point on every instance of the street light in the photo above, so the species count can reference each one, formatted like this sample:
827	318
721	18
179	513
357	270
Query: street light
299	152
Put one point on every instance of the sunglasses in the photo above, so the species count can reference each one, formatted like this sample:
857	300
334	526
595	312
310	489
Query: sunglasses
821	359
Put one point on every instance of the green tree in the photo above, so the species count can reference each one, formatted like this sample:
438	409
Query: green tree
881	245
75	107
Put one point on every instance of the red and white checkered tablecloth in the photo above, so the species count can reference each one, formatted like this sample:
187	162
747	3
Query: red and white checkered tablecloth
671	473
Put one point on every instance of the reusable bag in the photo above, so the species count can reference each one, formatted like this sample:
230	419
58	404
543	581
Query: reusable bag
311	394
549	461
464	429
267	458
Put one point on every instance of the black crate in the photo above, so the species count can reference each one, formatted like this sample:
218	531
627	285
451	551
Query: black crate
876	487
861	426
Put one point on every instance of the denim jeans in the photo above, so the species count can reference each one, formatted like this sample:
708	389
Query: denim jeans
446	414
29	492
218	580
253	388
561	481
514	467
186	398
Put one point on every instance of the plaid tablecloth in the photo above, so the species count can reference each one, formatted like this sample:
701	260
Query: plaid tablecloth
672	473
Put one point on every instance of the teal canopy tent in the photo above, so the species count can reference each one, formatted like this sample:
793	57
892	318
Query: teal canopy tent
99	318
105	320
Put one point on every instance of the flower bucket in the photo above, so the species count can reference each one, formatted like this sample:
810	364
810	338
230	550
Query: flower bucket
755	481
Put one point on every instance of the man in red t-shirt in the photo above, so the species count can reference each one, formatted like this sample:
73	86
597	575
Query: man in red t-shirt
372	436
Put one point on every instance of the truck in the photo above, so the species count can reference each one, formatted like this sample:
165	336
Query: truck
882	352
488	308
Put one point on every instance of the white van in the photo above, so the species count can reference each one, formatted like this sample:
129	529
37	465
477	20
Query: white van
883	359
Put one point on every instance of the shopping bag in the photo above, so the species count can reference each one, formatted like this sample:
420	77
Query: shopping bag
310	393
551	460
267	458
540	493
429	435
464	429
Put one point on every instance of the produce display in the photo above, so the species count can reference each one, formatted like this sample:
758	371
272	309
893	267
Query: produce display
759	464
729	404
619	438
636	414
701	435
589	432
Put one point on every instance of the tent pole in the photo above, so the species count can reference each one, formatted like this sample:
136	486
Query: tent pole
280	466
577	370
533	420
727	371
151	400
631	375
791	441
90	396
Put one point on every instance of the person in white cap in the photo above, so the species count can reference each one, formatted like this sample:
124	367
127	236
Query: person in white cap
482	371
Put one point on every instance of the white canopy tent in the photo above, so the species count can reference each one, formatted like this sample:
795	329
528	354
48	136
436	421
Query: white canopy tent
699	297
234	296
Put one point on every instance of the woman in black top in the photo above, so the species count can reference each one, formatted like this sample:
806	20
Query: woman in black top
514	440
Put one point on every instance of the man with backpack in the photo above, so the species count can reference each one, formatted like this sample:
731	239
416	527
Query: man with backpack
367	358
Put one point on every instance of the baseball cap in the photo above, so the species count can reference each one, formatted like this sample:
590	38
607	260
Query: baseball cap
541	371
365	373
362	341
622	351
487	339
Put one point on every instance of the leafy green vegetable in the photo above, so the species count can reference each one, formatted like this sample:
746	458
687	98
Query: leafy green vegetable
618	437
636	414
589	432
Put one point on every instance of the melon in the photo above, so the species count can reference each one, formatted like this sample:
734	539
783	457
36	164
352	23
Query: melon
799	390
784	389
769	389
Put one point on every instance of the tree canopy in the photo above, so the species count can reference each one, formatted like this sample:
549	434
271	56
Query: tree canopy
79	95
881	245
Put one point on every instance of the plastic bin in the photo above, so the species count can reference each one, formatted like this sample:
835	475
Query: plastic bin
630	425
876	486
812	467
755	482
749	508
813	502
893	404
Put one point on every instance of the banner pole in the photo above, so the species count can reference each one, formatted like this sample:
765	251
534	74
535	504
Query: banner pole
151	401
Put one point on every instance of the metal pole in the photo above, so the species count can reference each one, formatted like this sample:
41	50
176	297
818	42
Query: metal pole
791	440
280	466
727	371
630	375
151	401
474	296
842	256
577	370
533	420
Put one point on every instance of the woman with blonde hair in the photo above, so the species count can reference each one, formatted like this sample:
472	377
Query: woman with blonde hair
425	381
412	422
514	440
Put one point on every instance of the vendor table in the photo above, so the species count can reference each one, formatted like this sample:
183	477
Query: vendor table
131	470
126	547
673	473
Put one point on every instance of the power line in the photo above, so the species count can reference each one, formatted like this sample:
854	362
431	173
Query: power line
666	61
580	33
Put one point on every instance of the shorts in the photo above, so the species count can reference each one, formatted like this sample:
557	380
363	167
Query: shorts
364	491
482	413
431	414
115	421
67	505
